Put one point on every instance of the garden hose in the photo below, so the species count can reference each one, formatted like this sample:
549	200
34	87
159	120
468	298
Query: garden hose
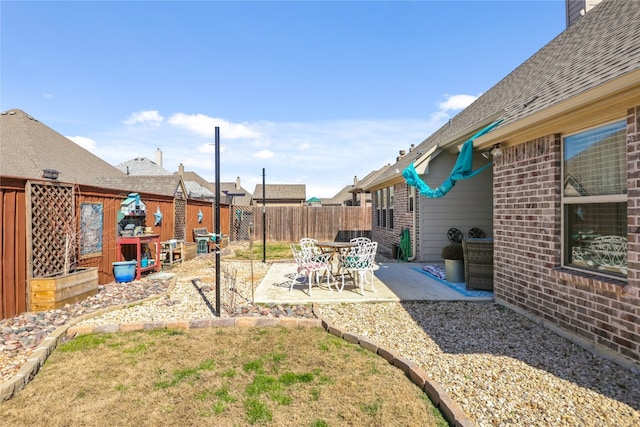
404	251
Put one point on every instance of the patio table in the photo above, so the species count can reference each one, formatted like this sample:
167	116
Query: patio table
335	248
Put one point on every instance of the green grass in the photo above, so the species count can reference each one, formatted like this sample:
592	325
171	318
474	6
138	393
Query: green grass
84	342
275	251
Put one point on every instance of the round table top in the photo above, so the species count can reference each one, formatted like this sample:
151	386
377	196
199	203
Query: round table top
336	244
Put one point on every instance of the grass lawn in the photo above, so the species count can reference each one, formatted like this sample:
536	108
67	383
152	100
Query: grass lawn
218	377
275	251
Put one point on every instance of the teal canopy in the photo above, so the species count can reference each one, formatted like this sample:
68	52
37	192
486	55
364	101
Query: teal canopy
463	169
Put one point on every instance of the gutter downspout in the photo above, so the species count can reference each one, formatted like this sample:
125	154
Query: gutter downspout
414	255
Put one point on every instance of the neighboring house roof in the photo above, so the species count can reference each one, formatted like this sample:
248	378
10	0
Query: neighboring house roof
197	191
167	185
345	195
340	198
197	186
232	193
236	194
595	57
142	166
281	192
361	186
28	146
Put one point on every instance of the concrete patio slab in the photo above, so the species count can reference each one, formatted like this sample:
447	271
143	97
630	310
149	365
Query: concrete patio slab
393	282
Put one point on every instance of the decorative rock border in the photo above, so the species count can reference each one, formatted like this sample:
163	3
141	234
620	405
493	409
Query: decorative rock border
447	406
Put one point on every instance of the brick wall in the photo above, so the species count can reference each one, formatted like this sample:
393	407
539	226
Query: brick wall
402	219
527	249
633	196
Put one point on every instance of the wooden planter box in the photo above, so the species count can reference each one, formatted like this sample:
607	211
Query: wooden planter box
190	250
47	293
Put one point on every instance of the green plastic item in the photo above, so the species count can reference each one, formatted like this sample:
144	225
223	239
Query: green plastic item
404	250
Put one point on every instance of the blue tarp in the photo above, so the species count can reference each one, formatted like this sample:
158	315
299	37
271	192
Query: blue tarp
463	169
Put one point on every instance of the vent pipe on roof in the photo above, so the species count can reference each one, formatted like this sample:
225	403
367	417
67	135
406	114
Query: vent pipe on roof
159	157
402	154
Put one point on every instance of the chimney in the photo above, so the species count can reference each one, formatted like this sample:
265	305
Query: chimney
181	170
237	183
355	181
159	157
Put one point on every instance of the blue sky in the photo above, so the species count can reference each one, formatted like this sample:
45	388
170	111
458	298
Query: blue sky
313	92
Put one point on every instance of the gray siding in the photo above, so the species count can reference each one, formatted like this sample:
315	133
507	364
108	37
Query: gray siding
469	204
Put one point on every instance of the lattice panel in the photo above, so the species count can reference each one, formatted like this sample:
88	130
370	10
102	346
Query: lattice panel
181	218
54	232
242	219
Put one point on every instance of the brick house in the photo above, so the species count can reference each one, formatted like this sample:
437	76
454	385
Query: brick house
561	201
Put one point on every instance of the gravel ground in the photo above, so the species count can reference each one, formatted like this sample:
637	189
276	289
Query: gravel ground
502	369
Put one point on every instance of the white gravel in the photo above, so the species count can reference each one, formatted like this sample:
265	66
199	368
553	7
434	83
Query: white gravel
501	368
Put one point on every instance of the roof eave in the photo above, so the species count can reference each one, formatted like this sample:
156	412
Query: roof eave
604	103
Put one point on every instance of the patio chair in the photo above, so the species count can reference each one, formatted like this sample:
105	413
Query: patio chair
310	264
360	240
357	262
308	244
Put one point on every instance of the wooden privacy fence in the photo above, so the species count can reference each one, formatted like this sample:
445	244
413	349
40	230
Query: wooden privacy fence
28	246
325	223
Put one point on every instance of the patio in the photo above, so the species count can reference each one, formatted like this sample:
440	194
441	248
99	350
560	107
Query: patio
393	281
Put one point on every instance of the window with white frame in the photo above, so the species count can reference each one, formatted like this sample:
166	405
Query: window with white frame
384	208
378	204
411	192
390	209
594	199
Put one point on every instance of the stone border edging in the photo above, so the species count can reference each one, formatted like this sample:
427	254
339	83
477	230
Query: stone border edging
451	411
36	359
449	408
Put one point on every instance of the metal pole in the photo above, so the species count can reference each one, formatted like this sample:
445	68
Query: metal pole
217	225
264	220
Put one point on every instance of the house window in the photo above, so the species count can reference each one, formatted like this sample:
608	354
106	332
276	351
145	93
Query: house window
378	204
411	192
390	208
384	208
595	199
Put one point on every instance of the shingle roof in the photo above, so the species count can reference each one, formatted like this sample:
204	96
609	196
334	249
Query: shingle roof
340	197
142	166
371	177
27	146
600	47
167	185
296	192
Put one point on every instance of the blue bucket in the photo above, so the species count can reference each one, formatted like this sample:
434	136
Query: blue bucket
124	271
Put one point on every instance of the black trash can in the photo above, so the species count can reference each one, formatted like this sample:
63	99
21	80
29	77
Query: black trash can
394	251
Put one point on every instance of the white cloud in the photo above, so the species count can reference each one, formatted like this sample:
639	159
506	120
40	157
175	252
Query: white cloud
47	95
86	143
150	117
323	155
456	102
204	125
263	154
